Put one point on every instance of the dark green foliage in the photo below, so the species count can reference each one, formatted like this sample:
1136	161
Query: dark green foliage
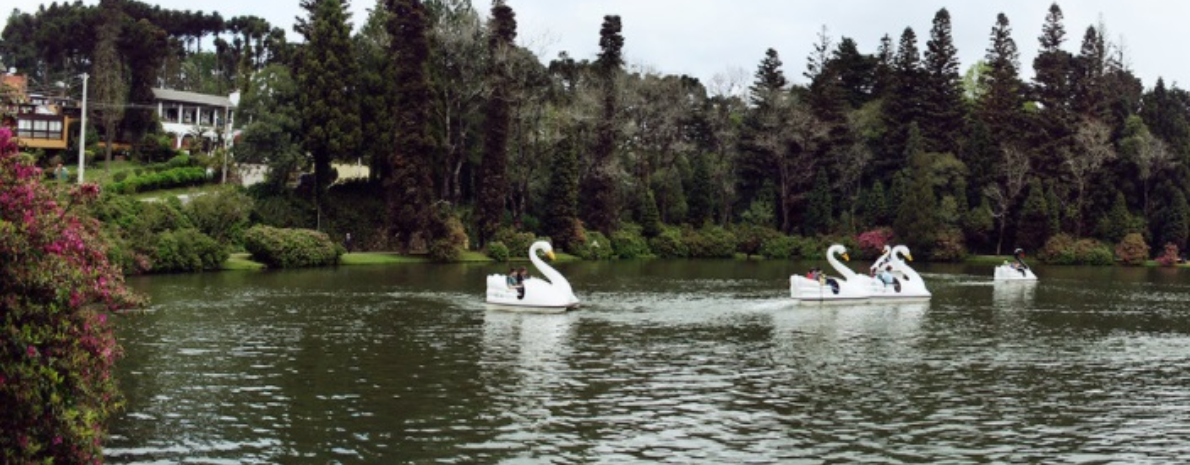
601	210
780	247
669	244
596	246
1132	250
561	220
710	242
327	73
518	242
273	133
818	217
699	207
187	250
902	106
1175	221
450	237
1115	224
1065	250
917	220
628	244
222	215
169	179
949	246
873	208
376	81
291	248
942	102
1000	108
489	205
750	238
1054	207
498	251
650	219
409	187
1033	226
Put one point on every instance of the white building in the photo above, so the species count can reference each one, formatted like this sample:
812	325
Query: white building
186	115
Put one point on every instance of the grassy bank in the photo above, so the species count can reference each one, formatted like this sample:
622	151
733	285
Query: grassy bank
242	261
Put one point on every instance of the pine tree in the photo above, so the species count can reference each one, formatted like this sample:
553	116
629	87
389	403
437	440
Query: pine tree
700	209
1090	99
489	204
942	102
1176	225
111	88
326	77
1000	107
376	81
599	190
1115	224
757	156
917	219
650	218
1034	222
902	105
875	208
1052	72
855	72
818	218
561	224
882	71
1055	211
409	187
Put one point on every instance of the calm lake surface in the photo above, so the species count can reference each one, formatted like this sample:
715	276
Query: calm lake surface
669	361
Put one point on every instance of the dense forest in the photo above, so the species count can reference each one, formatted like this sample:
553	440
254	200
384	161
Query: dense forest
466	130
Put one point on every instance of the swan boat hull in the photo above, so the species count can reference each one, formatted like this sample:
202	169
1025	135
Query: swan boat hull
803	289
540	297
1008	273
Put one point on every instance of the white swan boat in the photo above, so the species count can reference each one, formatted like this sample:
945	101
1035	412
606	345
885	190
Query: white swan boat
550	295
827	289
906	283
1015	271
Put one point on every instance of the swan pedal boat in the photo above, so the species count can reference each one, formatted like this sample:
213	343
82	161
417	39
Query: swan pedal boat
1007	271
907	285
844	289
550	295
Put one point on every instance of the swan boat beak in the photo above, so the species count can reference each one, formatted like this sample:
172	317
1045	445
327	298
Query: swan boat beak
550	255
909	257
845	257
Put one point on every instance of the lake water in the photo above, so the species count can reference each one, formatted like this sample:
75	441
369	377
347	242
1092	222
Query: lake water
669	361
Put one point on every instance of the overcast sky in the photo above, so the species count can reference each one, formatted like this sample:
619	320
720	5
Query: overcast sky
703	38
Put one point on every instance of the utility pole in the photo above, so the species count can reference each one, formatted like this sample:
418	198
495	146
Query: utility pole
83	129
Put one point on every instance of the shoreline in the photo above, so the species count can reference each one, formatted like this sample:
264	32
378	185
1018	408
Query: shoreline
242	261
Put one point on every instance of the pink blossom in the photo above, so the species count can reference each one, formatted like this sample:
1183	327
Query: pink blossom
31	351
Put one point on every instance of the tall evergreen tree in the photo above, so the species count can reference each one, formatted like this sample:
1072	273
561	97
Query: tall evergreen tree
699	206
1090	100
599	190
874	208
326	77
1034	223
409	187
1001	105
1052	69
917	220
111	85
1175	226
561	222
902	105
818	218
376	82
882	70
760	126
855	72
650	217
492	179
942	92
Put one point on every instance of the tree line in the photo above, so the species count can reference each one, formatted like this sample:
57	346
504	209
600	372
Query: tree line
459	123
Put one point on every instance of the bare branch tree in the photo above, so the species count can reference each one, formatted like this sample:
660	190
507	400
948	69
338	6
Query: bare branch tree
1094	139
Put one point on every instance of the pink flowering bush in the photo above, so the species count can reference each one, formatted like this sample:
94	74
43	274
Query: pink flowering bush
1170	257
871	243
57	349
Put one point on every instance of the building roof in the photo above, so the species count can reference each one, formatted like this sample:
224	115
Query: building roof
192	97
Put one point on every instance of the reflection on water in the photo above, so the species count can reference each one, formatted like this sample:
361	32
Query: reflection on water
687	362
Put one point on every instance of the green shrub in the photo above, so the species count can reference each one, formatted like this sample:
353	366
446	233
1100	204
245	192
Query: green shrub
1132	250
810	248
518	242
291	248
498	251
1093	252
750	238
595	246
1058	250
669	244
710	242
222	214
121	176
187	250
169	179
445	250
779	247
179	161
629	244
949	247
